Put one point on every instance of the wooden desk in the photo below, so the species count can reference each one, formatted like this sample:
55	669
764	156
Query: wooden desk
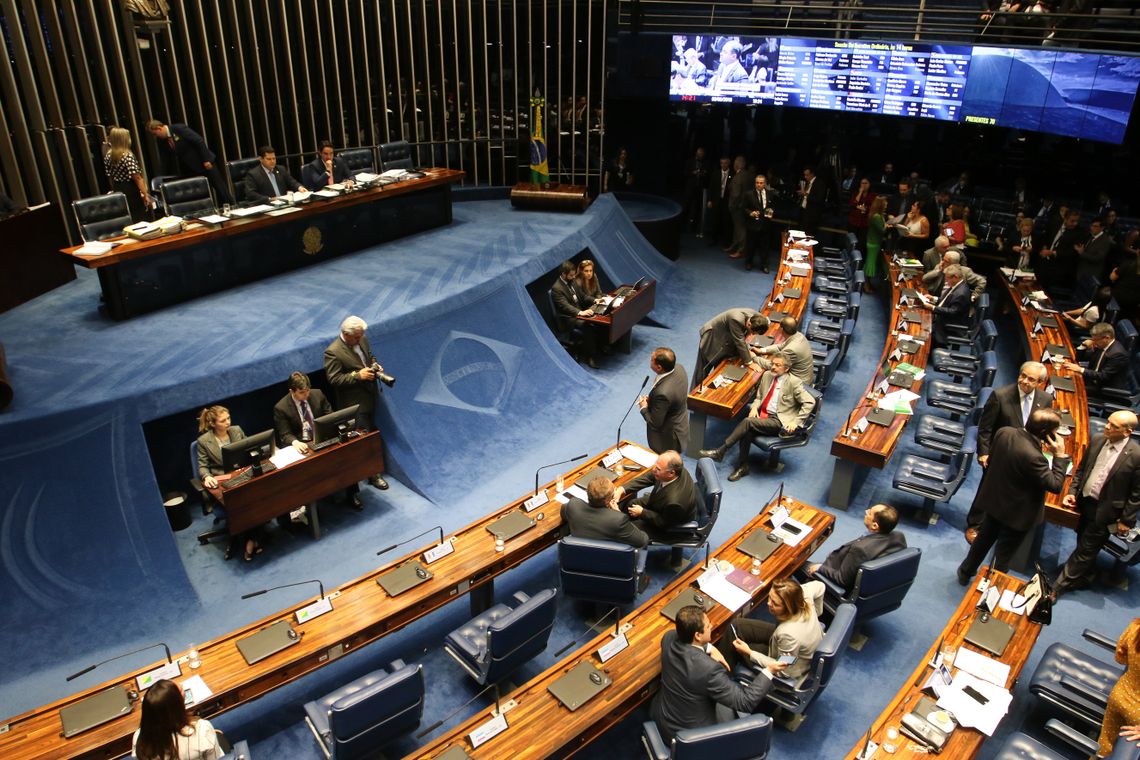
31	239
142	276
363	612
726	402
319	474
1075	402
876	445
619	322
964	742
541	727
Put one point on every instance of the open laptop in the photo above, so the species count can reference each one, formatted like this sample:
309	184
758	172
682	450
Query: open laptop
630	289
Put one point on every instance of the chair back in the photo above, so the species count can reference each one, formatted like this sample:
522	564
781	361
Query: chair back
984	378
1126	334
597	570
187	197
240	751
831	648
961	461
396	155
747	738
359	160
882	583
983	396
102	216
520	635
987	336
368	718
825	370
709	494
236	170
854	301
193	458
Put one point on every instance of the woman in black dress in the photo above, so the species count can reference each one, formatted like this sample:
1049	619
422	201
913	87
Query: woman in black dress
125	175
620	174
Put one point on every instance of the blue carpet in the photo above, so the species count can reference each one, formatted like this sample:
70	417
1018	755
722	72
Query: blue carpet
584	416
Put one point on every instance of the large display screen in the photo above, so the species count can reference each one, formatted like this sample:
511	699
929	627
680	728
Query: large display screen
1085	95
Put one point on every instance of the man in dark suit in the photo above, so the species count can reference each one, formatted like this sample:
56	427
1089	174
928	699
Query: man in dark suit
1021	251
757	212
727	335
352	372
1106	490
294	415
1012	494
952	306
696	181
601	518
697	689
739	186
812	192
672	501
665	409
1107	365
719	218
326	168
268	180
1093	254
843	564
1057	260
184	152
569	306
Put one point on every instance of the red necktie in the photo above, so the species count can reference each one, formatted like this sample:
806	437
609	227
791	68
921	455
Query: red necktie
767	398
170	142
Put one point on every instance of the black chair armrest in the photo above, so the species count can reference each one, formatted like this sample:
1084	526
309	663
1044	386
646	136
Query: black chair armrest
1099	639
1096	697
654	742
1071	736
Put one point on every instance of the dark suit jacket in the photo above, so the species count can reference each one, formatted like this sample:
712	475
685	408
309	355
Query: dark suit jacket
189	153
954	310
568	301
286	420
1111	371
723	336
258	187
667	414
672	504
1003	409
1013	490
842	565
1120	495
210	453
692	684
341	365
314	176
752	203
714	185
1090	262
581	520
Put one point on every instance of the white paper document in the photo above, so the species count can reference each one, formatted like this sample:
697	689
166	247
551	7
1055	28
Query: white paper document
641	456
213	219
260	208
327	194
718	587
367	177
285	456
986	668
1010	599
983	712
197	689
93	249
283	211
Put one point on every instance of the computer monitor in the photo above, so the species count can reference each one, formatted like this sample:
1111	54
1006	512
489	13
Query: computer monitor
253	449
333	424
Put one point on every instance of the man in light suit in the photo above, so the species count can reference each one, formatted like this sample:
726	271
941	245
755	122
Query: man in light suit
1107	360
665	409
782	404
843	564
1008	406
1012	494
696	687
673	500
601	518
352	372
952	306
727	335
569	306
326	168
935	279
268	180
1106	490
794	347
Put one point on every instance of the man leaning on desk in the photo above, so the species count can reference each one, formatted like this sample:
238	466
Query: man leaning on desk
326	169
267	179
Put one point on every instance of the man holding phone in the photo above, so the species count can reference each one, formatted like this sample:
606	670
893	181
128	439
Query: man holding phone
1012	495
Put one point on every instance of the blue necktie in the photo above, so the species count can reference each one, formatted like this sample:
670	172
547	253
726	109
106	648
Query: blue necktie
273	181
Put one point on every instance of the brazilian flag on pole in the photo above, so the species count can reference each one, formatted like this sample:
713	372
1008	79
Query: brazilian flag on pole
539	169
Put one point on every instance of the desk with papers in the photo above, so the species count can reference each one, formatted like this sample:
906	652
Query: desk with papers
618	324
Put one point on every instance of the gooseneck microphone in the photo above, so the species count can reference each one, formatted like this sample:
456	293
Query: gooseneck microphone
439	723
387	549
89	668
627	411
593	629
252	594
555	464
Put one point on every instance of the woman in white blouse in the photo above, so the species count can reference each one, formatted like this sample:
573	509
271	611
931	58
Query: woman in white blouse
168	732
795	634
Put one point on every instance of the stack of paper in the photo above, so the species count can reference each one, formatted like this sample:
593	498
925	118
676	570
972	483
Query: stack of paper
898	401
367	177
93	249
260	208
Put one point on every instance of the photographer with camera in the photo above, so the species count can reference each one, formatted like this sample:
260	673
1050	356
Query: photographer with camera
352	372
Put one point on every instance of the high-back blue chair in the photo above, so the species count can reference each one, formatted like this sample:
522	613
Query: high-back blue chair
359	718
359	160
396	155
795	698
1126	334
240	751
236	170
101	216
1020	746
773	445
187	197
747	738
600	571
1075	684
958	398
695	534
944	436
825	370
493	644
936	481
880	584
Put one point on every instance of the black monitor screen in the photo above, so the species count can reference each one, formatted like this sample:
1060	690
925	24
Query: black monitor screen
253	448
328	426
1086	95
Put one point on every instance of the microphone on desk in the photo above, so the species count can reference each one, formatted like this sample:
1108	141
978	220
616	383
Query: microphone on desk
850	418
627	411
439	723
592	629
387	549
89	668
252	594
555	464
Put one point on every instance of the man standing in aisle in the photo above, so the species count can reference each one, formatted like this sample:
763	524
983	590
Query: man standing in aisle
665	409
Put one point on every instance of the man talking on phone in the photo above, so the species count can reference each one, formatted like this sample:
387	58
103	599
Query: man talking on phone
1012	495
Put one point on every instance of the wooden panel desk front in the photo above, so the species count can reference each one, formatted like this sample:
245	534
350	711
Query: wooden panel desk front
141	276
541	727
362	613
876	445
619	323
964	742
31	239
1075	402
727	402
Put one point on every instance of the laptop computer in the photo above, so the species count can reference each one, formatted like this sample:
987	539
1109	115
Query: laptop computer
912	316
268	641
734	372
580	685
97	709
990	634
908	346
792	292
763	341
1063	383
597	471
776	316
881	416
760	544
510	525
629	289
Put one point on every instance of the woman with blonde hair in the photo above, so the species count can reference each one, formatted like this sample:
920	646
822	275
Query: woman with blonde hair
125	175
1124	699
795	635
215	431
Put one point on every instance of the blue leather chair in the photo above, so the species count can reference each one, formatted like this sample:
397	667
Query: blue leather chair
1019	746
880	585
102	216
796	698
958	337
825	370
188	197
842	340
493	644
773	445
598	571
947	436
396	155
695	534
236	170
359	718
958	398
936	481
958	364
1074	683
359	160
747	738
838	308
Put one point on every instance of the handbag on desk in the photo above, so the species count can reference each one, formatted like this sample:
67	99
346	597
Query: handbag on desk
1038	595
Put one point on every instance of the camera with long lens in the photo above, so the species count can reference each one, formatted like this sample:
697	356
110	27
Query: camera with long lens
386	379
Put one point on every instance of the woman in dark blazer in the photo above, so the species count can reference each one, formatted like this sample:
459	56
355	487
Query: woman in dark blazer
586	282
215	431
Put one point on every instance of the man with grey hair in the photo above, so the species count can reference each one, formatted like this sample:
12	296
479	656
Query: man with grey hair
352	371
952	306
1107	360
672	501
932	256
934	279
794	347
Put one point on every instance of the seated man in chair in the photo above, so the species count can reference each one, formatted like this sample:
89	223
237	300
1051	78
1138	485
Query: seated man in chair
601	518
673	500
842	564
781	406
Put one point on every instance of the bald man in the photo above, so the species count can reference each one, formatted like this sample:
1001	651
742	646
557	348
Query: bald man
672	501
1106	490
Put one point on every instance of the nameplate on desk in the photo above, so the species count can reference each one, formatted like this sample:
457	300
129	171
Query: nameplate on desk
580	685
169	671
860	426
488	730
95	710
609	460
896	355
404	578
688	597
441	551
779	299
612	647
510	525
268	641
536	501
314	610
